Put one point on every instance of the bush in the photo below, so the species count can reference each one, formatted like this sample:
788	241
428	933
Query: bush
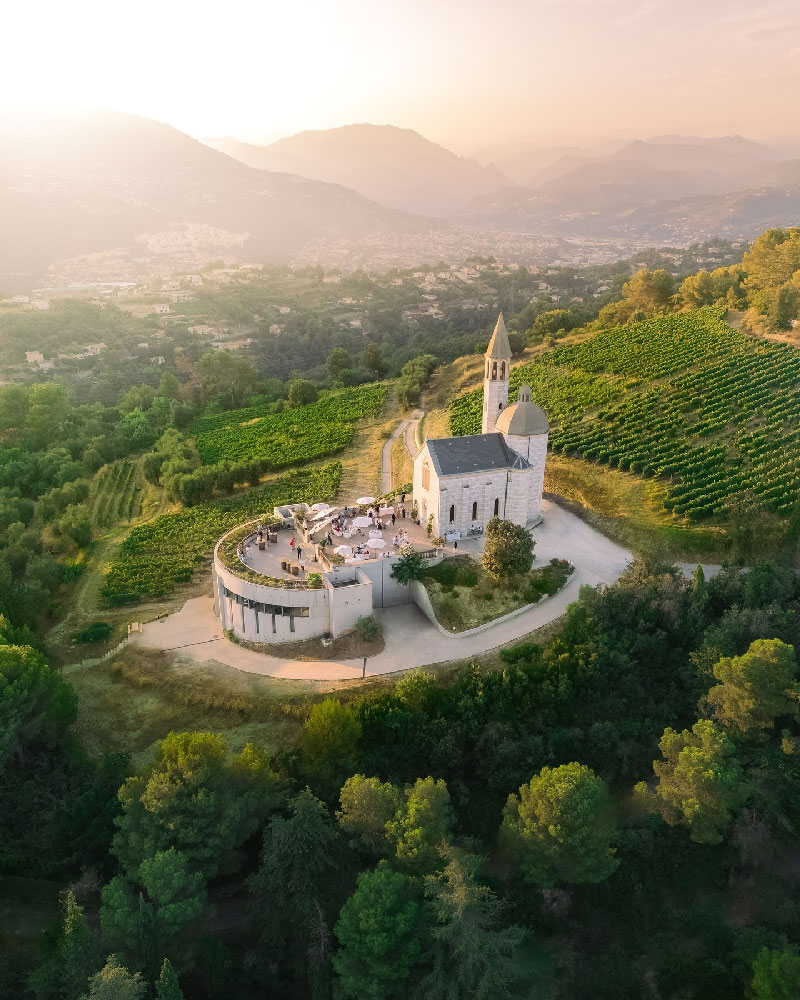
508	550
368	628
96	632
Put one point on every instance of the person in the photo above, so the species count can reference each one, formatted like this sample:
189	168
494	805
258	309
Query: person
455	544
291	543
394	518
330	540
395	541
403	512
403	498
302	565
299	552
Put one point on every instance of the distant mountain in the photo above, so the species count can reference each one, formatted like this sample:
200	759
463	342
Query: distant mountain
394	166
670	188
95	181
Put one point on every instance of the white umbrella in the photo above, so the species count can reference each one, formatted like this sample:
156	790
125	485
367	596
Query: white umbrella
343	550
326	512
376	543
320	506
366	500
362	522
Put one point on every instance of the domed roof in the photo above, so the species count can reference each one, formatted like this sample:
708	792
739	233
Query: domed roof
523	418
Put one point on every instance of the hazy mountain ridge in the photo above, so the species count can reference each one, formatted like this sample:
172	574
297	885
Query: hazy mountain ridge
394	166
97	181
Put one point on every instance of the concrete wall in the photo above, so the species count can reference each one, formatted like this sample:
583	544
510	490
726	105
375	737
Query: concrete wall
258	626
348	604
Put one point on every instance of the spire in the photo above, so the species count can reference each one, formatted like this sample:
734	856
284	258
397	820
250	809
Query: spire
498	345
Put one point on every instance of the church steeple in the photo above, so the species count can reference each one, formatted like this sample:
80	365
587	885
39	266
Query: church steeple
495	379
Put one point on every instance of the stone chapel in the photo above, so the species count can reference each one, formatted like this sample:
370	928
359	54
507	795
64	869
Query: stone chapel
460	483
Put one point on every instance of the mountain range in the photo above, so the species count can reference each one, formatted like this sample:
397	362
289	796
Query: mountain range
394	166
95	181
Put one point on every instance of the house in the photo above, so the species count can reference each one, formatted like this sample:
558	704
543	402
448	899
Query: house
161	308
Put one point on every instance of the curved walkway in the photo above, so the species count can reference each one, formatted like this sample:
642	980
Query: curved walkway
411	640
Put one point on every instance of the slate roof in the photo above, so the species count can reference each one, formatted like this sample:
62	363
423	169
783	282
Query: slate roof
473	453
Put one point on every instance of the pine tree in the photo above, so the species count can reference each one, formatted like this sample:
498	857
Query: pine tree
168	987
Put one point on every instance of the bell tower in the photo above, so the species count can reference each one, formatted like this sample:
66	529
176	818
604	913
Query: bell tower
495	377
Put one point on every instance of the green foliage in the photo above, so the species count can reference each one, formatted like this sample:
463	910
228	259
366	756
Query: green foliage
298	884
114	982
329	740
756	687
157	556
368	628
312	430
76	956
476	954
379	931
225	376
157	914
700	781
367	805
408	567
508	550
95	632
168	987
197	799
422	824
36	703
302	392
776	974
559	828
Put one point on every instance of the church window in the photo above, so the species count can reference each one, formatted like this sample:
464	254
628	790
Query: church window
500	406
474	510
496	506
452	512
503	370
494	371
426	476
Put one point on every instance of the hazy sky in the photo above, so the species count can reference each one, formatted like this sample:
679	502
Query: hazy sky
463	72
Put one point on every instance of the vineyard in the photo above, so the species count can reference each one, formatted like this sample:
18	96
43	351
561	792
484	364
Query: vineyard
288	438
685	398
116	494
158	555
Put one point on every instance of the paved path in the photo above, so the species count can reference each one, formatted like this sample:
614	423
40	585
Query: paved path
411	640
412	447
386	457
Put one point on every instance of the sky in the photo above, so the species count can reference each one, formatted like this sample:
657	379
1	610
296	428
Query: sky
467	73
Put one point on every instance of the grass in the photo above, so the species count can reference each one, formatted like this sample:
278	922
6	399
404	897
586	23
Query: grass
464	596
402	466
629	509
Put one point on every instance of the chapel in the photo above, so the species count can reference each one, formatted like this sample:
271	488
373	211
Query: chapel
460	483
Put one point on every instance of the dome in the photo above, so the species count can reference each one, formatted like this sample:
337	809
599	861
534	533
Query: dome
523	418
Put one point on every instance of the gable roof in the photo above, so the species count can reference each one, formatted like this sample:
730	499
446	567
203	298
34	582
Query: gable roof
473	453
499	346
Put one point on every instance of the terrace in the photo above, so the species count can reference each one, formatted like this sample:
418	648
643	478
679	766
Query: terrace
278	560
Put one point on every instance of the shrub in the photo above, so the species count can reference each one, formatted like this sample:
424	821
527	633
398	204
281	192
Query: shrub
96	632
368	628
508	550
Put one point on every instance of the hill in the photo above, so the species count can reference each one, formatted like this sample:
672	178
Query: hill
394	166
97	181
685	398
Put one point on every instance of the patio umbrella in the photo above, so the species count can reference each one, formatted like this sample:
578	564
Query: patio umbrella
376	543
366	500
362	522
343	550
325	511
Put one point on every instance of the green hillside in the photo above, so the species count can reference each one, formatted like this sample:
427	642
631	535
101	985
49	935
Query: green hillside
710	411
295	435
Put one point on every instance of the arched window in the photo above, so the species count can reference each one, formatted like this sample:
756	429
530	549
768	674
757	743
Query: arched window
497	506
426	476
452	512
503	370
474	510
494	371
